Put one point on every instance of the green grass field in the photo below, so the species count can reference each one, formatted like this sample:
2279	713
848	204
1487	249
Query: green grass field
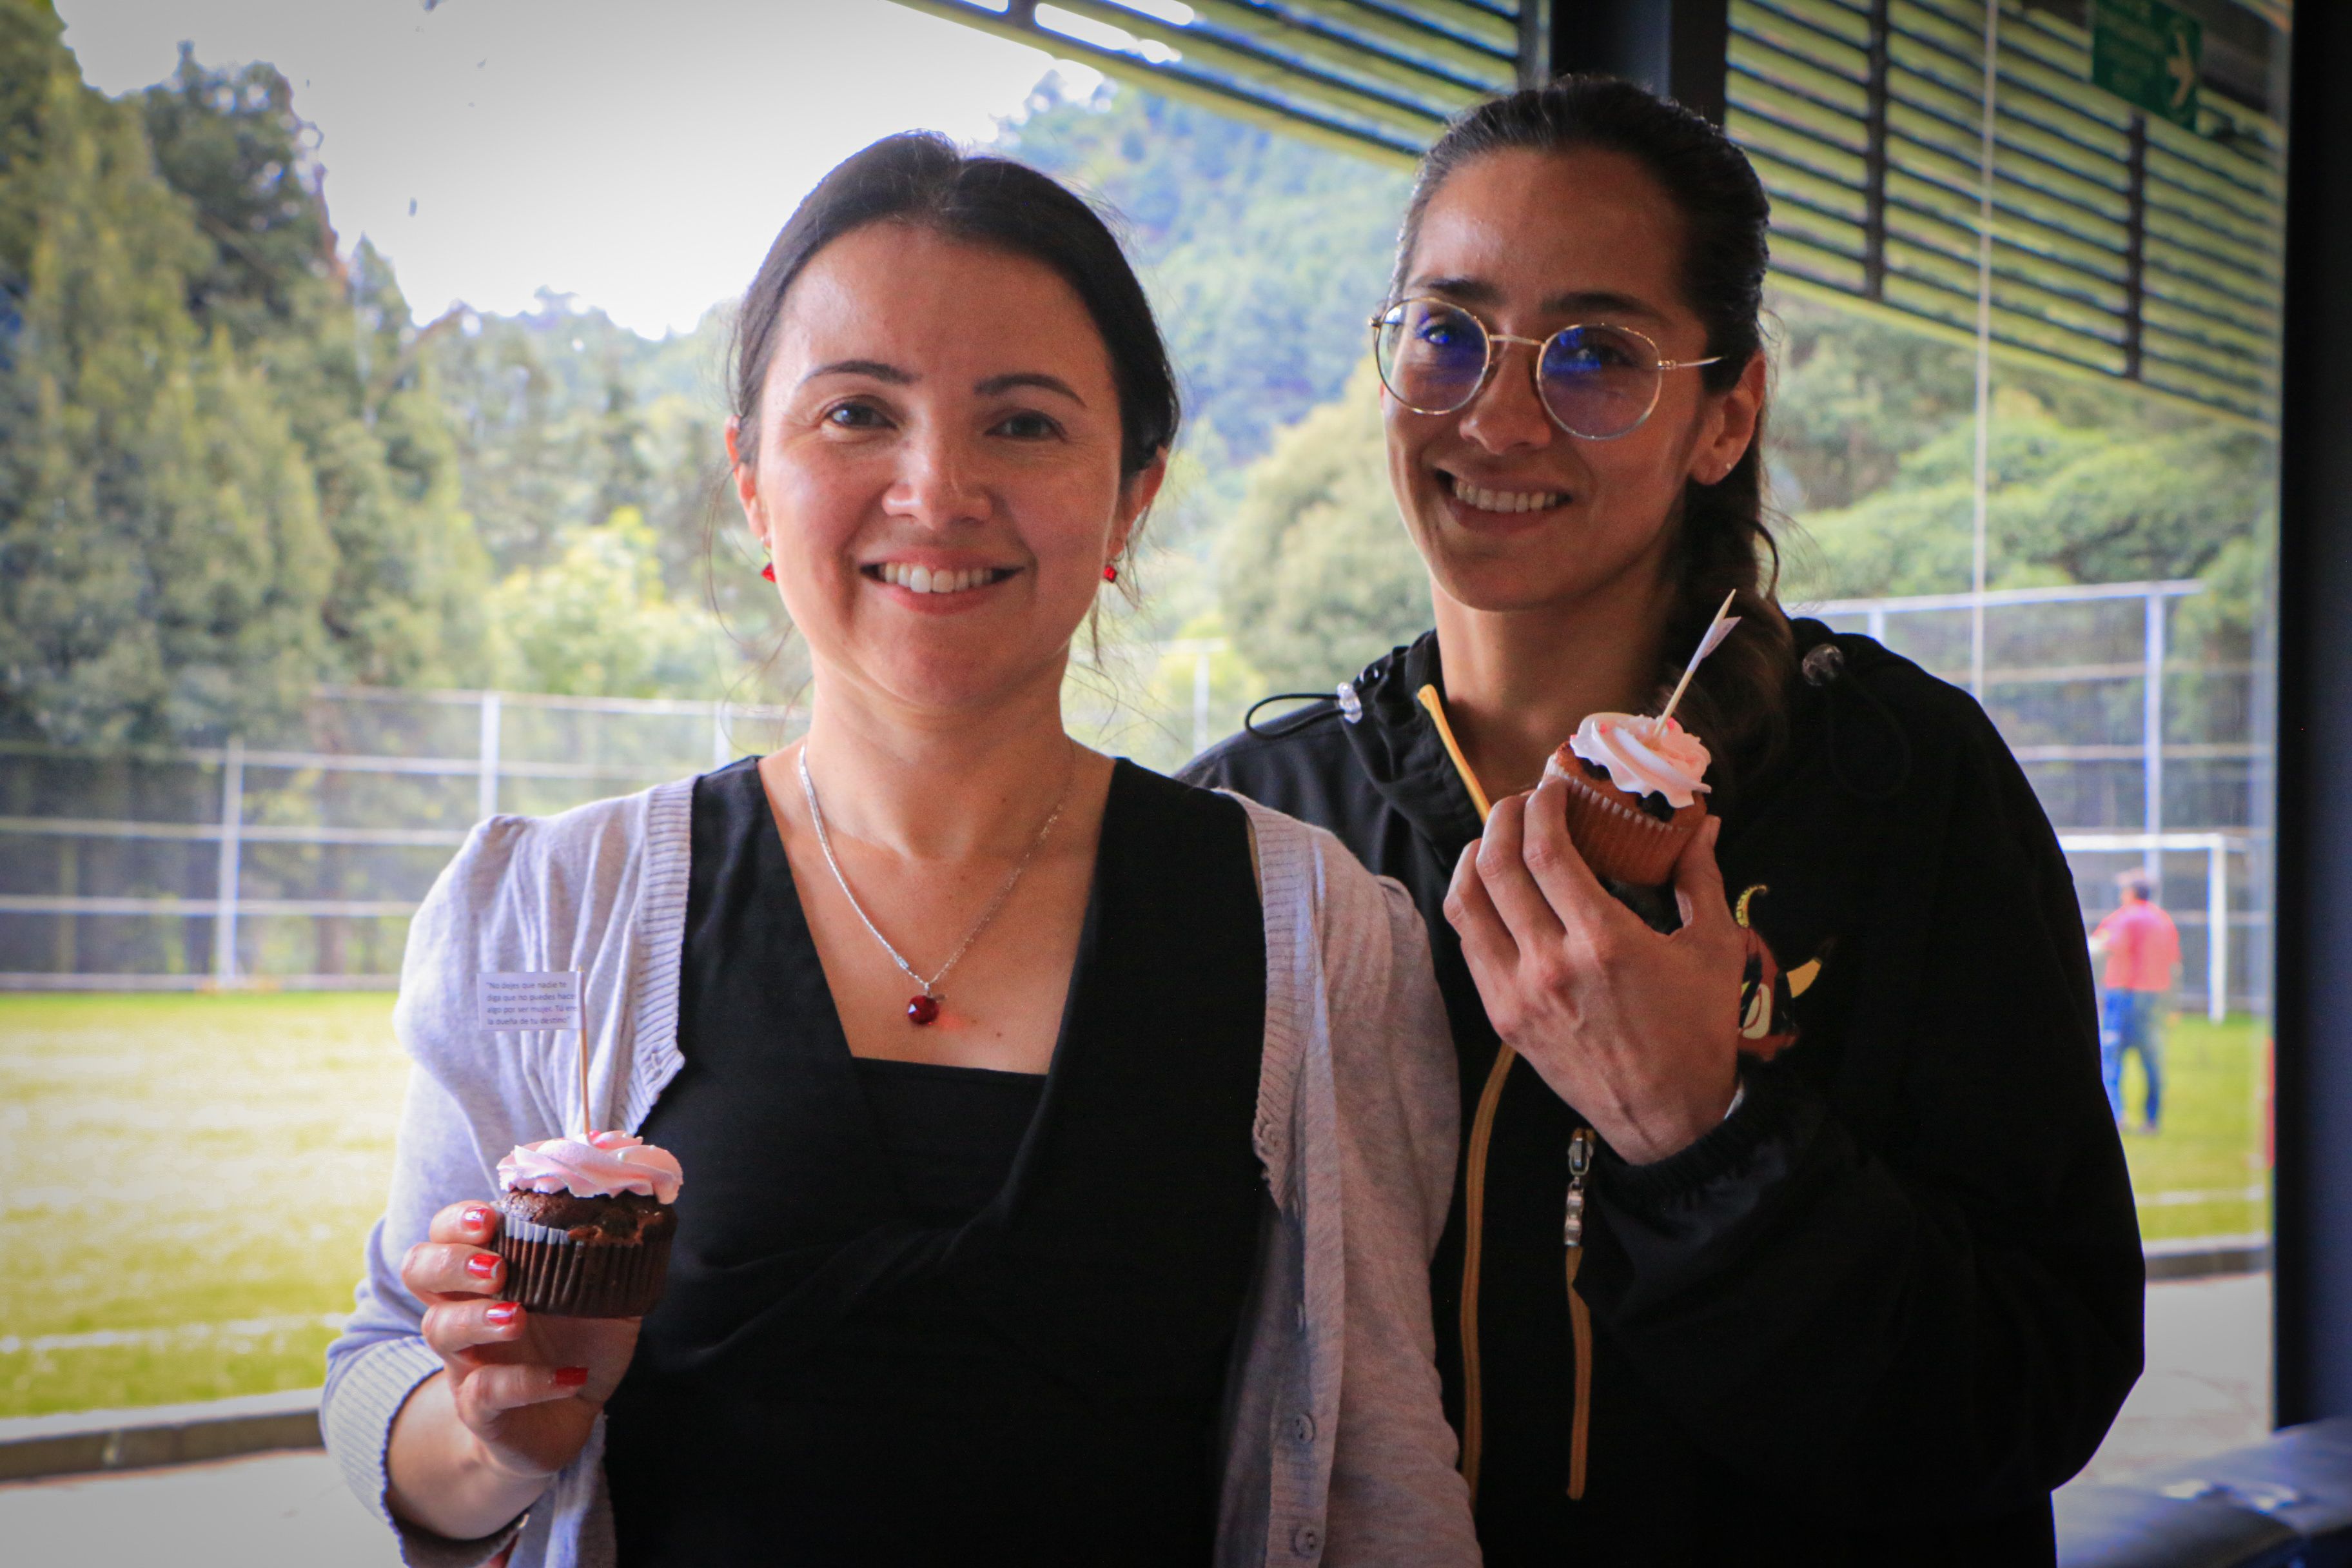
2207	1173
190	1183
191	1180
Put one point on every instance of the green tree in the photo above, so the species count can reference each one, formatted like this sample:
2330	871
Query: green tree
1316	573
1265	255
561	416
596	622
1854	394
2161	496
29	59
230	142
343	358
163	564
624	475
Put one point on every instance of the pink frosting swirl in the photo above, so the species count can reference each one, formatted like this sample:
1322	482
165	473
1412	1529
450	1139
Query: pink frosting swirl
1642	755
606	1165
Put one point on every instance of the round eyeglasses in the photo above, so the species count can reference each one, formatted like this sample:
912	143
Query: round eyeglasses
1596	381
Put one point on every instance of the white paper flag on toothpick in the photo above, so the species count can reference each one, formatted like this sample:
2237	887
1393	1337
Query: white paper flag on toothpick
1717	629
1714	636
532	999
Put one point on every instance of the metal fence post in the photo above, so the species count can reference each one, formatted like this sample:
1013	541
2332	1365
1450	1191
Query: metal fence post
2217	927
719	747
1200	736
224	879
65	958
2151	720
485	789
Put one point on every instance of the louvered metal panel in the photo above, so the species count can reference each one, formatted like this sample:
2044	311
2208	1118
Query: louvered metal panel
2131	247
1375	76
2121	247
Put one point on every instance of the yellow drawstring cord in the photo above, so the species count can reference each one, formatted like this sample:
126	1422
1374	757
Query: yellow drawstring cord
1474	1216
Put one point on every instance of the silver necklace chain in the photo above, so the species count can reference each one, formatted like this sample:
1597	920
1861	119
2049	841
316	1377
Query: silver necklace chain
824	842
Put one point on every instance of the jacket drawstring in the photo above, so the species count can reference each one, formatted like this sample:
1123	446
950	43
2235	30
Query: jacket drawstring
1474	1239
1428	697
1474	1216
1286	722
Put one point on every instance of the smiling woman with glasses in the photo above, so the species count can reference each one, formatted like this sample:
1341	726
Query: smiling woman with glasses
1790	1225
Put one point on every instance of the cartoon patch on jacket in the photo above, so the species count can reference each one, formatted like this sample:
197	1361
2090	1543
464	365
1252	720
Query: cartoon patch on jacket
1767	993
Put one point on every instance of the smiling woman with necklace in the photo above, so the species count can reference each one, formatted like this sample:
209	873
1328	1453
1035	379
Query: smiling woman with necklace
1063	1147
1801	1234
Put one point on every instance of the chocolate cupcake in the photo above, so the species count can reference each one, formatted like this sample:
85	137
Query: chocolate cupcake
585	1225
1633	789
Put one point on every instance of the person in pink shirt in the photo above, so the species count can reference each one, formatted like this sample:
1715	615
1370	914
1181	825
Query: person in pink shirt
2142	947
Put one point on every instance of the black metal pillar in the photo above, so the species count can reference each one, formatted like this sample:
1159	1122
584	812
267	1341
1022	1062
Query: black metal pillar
2313	932
1874	194
2136	250
1674	47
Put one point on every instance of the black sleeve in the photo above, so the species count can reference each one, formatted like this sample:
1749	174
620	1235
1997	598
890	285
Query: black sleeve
1908	1285
1302	768
1211	770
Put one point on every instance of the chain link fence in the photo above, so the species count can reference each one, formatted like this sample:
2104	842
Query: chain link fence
2149	751
295	858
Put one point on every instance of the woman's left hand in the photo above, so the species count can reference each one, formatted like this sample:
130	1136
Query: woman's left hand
1637	1030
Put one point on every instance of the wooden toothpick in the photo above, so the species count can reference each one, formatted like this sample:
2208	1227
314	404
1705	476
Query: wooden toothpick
587	1126
1716	630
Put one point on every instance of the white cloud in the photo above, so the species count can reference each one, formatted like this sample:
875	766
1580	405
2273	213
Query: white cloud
640	157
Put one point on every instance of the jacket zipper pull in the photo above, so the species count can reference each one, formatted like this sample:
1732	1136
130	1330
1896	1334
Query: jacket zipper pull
1579	1316
1579	1165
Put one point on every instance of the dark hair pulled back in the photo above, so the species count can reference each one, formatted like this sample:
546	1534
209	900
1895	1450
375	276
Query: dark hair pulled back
1725	543
919	178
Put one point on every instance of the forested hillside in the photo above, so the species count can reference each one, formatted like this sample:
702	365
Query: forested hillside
223	475
233	465
1265	257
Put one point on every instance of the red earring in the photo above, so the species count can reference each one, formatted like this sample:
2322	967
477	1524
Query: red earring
769	571
1110	573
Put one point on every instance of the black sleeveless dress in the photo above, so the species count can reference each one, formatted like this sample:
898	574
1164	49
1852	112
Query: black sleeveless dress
921	1314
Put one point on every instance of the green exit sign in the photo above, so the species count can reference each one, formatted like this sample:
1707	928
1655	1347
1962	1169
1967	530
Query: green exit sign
2146	53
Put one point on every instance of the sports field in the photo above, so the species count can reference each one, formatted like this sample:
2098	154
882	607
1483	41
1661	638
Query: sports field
191	1178
190	1182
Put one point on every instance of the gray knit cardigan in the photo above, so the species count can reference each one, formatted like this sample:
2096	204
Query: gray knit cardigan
1335	1446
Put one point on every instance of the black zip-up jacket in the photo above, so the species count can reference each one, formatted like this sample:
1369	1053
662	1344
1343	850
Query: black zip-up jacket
1895	1299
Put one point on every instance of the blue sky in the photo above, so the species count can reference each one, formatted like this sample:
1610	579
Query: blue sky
638	155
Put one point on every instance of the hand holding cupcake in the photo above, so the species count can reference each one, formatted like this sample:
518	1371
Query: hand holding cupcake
1633	1023
519	1390
532	1303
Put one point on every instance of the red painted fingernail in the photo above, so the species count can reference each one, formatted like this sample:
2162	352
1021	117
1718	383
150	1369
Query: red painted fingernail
571	1376
475	1218
501	1314
482	1265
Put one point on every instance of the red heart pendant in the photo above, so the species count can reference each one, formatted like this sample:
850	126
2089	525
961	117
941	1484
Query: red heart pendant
922	1009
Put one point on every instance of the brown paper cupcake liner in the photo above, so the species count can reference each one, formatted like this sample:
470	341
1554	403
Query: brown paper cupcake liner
1620	840
549	1272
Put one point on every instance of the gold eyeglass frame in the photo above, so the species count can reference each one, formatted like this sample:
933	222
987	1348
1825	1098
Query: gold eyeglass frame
1497	342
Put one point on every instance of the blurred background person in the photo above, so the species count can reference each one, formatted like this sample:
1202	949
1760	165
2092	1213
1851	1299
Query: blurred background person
2142	948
